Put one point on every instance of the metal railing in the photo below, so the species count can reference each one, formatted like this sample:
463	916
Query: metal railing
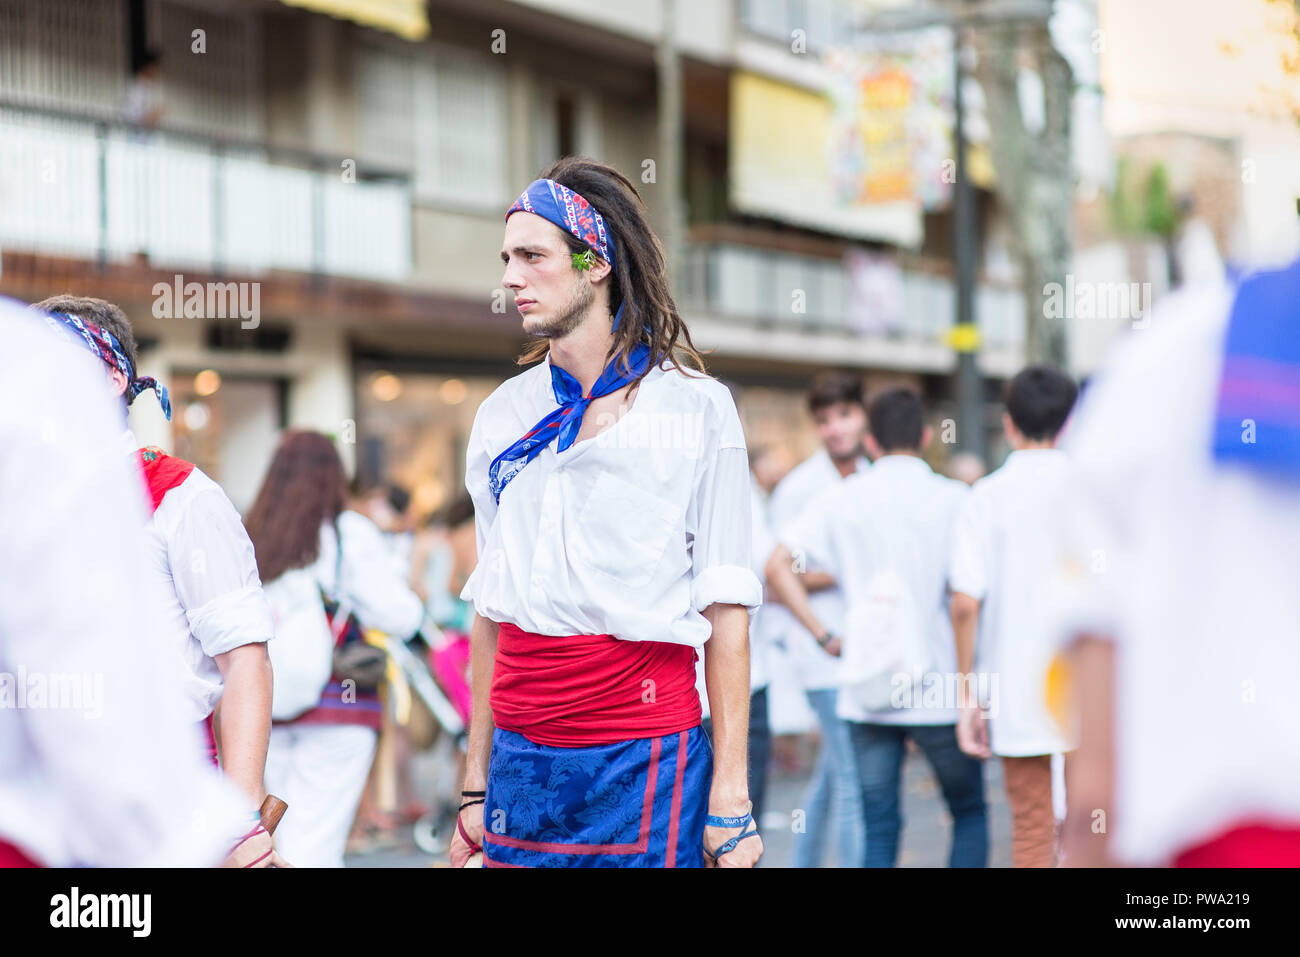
83	186
759	286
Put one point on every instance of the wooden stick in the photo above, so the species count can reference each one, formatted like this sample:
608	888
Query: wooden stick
271	811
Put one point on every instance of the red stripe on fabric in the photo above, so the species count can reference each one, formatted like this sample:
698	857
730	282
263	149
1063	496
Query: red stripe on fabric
338	715
12	856
640	847
577	691
675	819
1249	844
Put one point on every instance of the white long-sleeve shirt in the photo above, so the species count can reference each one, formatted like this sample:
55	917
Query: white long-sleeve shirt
213	603
104	768
898	515
632	532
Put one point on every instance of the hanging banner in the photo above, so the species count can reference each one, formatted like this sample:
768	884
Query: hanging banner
406	18
778	164
891	126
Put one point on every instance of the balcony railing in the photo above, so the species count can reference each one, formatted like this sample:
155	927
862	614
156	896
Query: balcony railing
756	286
84	187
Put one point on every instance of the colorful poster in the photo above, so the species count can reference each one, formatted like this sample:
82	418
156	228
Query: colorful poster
891	128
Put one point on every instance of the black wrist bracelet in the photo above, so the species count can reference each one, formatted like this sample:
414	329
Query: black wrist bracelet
471	804
473	794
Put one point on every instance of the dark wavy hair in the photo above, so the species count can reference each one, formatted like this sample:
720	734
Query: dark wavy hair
651	315
305	485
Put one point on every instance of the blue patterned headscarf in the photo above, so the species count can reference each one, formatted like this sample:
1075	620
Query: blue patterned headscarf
104	344
560	205
572	213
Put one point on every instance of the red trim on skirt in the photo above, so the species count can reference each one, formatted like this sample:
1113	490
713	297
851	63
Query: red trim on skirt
575	691
1249	844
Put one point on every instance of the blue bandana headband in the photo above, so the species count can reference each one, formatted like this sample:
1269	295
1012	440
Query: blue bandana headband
104	344
572	213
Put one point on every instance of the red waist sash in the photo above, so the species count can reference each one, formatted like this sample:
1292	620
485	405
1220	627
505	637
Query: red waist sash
1249	844
11	856
575	691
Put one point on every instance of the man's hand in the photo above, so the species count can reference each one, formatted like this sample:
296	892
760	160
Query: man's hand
471	819
833	647
256	850
973	732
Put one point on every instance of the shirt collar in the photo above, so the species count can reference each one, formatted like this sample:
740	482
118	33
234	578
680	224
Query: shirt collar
901	462
860	464
128	441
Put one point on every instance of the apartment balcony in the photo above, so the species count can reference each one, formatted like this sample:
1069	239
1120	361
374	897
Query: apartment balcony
86	188
755	301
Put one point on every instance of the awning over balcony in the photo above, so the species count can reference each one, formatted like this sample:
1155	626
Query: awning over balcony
406	18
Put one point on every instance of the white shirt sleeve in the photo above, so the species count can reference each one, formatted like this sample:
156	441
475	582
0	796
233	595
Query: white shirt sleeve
477	461
371	581
967	569
214	570
719	522
763	542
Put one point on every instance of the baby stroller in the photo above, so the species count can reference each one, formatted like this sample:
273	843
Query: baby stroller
429	694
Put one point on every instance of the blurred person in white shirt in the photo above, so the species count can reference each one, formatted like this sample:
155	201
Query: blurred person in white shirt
832	803
120	781
1004	548
318	761
886	534
1179	600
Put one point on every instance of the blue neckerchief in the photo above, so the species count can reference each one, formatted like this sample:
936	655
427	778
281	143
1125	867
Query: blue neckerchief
1257	419
564	423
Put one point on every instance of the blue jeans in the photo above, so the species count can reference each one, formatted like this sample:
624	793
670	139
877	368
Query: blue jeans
879	749
833	792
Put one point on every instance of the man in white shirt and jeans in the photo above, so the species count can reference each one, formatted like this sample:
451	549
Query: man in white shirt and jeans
1004	546
833	801
893	523
611	498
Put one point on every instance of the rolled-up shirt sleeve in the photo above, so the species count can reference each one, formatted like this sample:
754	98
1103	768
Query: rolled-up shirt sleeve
719	518
214	570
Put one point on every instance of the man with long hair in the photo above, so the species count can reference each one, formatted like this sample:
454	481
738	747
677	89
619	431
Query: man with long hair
611	495
217	619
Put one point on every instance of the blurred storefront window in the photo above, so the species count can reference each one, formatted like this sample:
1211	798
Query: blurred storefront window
412	429
228	427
